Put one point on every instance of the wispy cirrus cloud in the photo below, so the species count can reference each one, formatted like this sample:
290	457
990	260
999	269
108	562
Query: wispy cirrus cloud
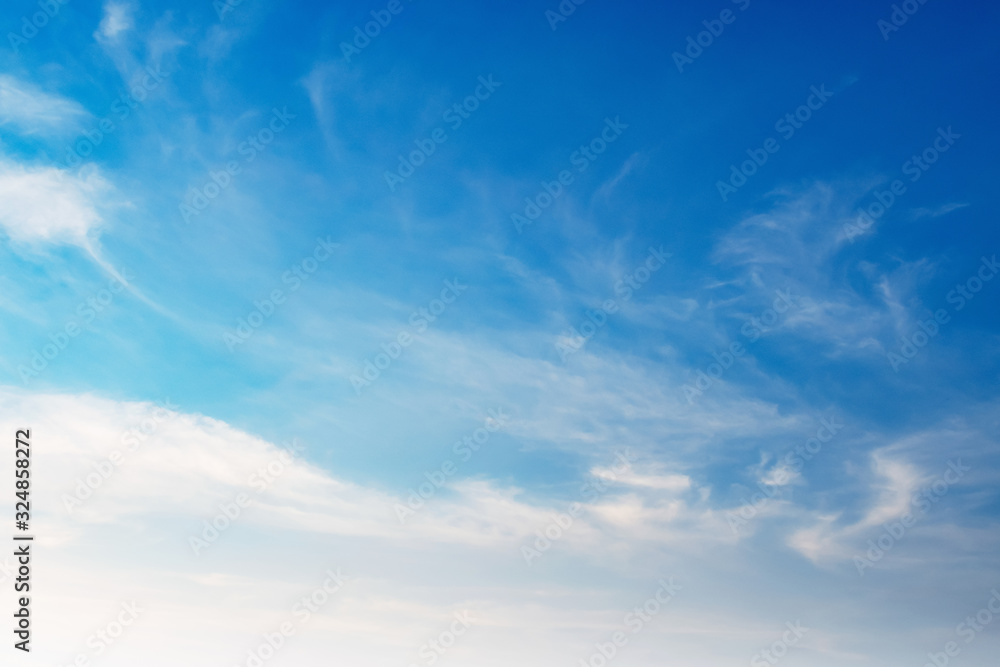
31	111
937	212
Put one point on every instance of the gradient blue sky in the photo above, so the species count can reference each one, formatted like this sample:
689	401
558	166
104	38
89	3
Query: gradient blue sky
69	231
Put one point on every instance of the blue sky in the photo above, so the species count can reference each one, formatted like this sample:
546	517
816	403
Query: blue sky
202	201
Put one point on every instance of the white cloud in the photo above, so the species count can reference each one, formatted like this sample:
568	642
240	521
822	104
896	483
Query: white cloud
673	483
900	481
780	475
129	541
33	111
117	19
894	482
46	204
194	463
798	245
